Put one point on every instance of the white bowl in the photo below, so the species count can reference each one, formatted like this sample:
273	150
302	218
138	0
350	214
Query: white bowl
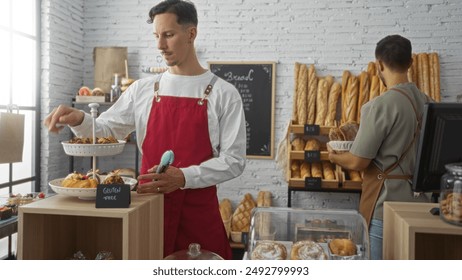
86	150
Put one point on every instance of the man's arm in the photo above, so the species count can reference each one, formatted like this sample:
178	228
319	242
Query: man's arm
347	160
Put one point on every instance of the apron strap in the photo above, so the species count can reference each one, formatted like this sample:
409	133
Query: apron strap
157	86
208	89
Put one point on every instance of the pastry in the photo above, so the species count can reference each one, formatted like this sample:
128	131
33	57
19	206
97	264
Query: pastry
349	130
342	247
84	91
113	178
126	172
269	250
77	180
241	216
311	99
307	250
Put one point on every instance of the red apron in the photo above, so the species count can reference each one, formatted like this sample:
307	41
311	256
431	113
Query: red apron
180	124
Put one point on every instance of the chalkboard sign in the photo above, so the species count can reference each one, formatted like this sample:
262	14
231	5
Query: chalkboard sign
113	196
255	82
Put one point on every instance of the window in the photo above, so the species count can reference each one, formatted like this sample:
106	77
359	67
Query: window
20	76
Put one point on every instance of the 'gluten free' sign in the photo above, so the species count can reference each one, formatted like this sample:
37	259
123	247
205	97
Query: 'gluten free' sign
113	196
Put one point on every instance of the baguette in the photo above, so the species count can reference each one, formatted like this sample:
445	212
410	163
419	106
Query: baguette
225	209
263	222
426	75
312	89
330	81
420	79
383	88
305	170
364	87
294	105
321	102
316	169
431	74
415	73
436	76
312	144
264	199
371	70
345	79
334	94
410	73
301	94
354	175
375	88
298	144
352	99
328	170
295	169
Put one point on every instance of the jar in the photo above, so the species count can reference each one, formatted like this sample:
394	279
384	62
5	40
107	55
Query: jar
451	194
194	252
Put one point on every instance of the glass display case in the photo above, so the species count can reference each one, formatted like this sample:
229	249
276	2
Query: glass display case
289	233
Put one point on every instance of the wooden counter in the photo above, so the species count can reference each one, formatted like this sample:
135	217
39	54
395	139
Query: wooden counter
411	232
57	227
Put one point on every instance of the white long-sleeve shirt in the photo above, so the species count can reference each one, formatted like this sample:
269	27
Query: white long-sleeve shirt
226	123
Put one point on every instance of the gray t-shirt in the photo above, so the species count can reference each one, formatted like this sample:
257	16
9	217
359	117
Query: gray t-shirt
387	128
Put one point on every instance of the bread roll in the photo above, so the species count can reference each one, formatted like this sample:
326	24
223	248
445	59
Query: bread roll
316	169
335	134
298	144
312	144
345	80
334	94
241	217
321	102
352	99
375	88
302	94
294	105
349	130
312	90
307	250
269	250
305	170
363	92
328	170
342	247
354	176
295	169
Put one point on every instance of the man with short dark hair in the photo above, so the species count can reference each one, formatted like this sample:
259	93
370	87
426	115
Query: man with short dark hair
385	146
188	110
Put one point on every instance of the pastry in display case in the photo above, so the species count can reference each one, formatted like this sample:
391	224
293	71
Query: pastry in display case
300	234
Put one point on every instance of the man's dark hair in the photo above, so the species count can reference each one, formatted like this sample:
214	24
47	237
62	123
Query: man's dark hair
395	51
185	11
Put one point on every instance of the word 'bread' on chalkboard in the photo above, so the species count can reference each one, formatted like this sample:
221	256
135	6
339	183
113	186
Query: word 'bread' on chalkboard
255	82
113	196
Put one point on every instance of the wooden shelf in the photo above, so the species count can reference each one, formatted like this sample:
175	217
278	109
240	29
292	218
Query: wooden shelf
57	227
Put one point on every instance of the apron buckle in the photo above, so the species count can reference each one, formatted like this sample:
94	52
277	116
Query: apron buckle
200	102
380	176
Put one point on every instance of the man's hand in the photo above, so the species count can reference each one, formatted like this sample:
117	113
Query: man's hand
169	181
63	115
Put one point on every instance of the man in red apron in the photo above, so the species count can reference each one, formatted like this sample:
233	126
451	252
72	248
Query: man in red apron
384	148
188	110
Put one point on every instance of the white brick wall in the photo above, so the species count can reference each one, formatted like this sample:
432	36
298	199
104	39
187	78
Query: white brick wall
335	35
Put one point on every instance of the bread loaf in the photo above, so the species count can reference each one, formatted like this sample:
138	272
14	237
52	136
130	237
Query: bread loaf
269	250
352	99
375	88
301	94
294	105
363	92
345	81
241	217
334	94
316	169
305	170
263	220
264	199
307	250
321	102
328	170
312	144
298	144
312	90
225	209
349	130
335	134
295	169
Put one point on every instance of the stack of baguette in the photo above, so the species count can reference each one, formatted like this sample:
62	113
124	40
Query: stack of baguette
315	98
425	73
